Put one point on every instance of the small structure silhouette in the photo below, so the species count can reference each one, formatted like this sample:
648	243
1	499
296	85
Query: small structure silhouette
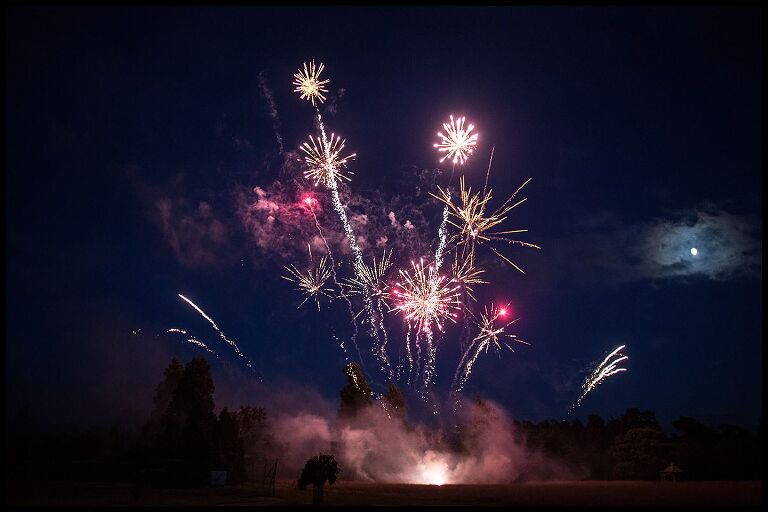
671	473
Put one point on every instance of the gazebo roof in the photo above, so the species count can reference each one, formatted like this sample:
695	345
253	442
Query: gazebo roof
672	469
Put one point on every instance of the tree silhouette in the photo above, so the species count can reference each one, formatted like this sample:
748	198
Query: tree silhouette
188	424
356	394
255	431
395	402
228	447
317	471
163	396
638	454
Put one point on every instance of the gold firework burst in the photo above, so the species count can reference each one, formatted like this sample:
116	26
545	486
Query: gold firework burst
475	226
456	143
369	280
324	160
466	273
308	83
312	281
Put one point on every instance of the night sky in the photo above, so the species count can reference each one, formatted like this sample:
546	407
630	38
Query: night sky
135	135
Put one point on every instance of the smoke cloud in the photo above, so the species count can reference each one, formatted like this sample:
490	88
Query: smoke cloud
373	446
271	108
279	221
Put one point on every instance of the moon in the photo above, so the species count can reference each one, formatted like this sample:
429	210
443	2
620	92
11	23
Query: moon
694	251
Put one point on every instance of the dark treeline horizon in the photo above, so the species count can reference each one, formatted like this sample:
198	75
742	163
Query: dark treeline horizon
630	446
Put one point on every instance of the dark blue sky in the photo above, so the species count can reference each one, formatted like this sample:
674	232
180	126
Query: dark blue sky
641	128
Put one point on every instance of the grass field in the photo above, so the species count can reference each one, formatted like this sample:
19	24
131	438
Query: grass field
590	493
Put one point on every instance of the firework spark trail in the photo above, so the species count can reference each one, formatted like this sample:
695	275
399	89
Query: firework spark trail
604	370
458	144
429	369
358	264
490	335
408	354
488	172
326	165
383	347
310	201
339	207
369	281
426	300
442	235
193	340
221	334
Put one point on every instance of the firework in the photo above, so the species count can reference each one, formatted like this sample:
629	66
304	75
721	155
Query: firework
474	226
604	370
369	280
324	161
191	339
442	234
327	166
492	333
311	202
426	298
456	143
312	281
369	283
308	83
492	325
216	327
465	272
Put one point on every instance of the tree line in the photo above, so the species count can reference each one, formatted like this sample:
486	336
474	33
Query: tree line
183	439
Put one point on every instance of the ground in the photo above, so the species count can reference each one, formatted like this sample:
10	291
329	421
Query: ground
591	493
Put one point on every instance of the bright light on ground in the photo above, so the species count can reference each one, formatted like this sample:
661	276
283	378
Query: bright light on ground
434	471
436	477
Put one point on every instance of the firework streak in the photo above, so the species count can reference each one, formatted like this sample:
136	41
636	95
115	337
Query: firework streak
604	370
221	334
368	281
191	339
310	202
458	144
491	334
